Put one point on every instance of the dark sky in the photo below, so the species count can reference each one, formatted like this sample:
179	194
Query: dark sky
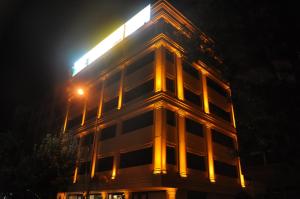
41	39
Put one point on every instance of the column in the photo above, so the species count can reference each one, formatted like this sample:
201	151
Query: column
121	89
210	154
171	193
232	109
101	99
67	116
127	194
116	154
159	140
75	175
239	166
182	144
205	94
160	80
179	74
84	111
104	195
94	153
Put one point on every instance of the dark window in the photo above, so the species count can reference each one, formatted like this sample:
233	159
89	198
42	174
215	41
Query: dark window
84	168
216	87
136	158
110	105
219	112
225	169
112	79
171	117
105	164
92	113
76	121
188	68
87	140
108	132
138	91
195	162
192	97
139	195
140	121
170	56
222	139
140	63
196	195
193	127
171	155
170	84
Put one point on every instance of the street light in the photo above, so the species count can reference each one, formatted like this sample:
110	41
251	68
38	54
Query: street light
80	91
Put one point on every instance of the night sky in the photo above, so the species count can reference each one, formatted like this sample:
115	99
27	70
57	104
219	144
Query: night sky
40	40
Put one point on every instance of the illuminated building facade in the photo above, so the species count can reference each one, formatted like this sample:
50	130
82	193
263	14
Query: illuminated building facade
151	122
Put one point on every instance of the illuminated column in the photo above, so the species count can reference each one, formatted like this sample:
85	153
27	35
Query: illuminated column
239	166
127	194
116	154
94	154
84	111
67	116
179	74
182	144
160	81
171	193
104	195
75	175
210	154
205	94
159	140
232	110
121	89
101	99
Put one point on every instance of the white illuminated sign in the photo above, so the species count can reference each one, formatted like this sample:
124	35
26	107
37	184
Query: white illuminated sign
113	39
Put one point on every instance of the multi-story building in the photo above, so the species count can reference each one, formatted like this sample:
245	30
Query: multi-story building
152	121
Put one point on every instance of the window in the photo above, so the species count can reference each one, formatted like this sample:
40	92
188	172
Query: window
196	195
222	139
84	168
216	87
188	68
136	158
110	105
87	140
76	121
113	78
140	63
138	122
105	164
170	56
171	118
195	162
92	113
192	97
170	84
108	132
171	155
219	112
193	127
225	169
138	91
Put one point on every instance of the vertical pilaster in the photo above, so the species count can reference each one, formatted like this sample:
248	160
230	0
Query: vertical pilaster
84	111
127	194
232	110
171	193
160	80
182	144
94	153
116	154
239	166
179	76
205	93
75	174
121	89
159	140
101	99
104	195
67	116
210	154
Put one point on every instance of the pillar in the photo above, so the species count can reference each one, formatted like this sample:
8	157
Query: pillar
75	174
171	193
121	89
205	93
159	140
67	116
84	111
179	76
94	153
182	144
210	154
160	80
101	99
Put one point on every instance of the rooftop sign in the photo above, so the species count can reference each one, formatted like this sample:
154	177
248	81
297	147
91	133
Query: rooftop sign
113	39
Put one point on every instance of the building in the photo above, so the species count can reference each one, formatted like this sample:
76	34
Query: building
152	122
